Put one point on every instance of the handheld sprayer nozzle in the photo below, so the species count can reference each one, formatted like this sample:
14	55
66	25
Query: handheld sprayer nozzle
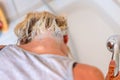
113	45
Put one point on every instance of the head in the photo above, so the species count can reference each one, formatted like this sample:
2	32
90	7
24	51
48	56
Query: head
37	23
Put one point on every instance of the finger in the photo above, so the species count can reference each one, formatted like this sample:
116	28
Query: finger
117	77
111	68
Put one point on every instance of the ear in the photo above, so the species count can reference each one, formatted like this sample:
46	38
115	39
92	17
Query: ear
65	37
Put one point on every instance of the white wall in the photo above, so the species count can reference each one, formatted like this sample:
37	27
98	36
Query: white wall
111	7
17	8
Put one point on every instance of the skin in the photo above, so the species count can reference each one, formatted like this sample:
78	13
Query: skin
51	46
2	46
110	74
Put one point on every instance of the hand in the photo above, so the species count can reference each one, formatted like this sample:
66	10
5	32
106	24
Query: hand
110	74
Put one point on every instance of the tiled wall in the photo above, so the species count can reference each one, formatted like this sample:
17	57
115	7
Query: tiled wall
17	8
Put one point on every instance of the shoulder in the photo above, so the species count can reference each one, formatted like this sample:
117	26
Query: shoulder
2	46
87	72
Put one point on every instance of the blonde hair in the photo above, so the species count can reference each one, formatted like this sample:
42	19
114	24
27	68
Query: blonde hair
35	23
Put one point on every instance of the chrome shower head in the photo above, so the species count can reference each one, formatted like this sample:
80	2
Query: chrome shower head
113	45
112	40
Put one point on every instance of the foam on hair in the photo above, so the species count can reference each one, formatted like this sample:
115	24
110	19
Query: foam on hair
37	22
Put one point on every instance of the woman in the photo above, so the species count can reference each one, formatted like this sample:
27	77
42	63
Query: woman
42	52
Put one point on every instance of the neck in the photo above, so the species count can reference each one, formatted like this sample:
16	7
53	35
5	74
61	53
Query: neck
46	46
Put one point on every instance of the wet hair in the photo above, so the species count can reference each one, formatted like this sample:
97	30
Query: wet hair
37	22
